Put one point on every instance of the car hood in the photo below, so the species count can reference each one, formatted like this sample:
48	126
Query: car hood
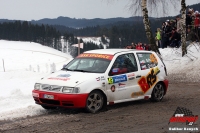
68	78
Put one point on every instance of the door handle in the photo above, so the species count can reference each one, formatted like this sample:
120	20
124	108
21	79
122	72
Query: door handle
138	76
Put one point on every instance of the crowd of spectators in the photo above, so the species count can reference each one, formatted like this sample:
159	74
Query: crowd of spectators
139	46
170	33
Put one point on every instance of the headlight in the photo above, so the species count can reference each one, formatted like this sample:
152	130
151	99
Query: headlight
37	86
70	90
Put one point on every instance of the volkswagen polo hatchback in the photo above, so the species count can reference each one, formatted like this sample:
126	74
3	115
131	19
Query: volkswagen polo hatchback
98	78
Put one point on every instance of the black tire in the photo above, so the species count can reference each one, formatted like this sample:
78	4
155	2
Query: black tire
95	102
48	107
158	93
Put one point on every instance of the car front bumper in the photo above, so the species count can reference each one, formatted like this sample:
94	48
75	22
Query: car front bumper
60	99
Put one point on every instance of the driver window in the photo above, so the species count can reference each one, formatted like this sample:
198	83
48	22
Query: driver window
125	63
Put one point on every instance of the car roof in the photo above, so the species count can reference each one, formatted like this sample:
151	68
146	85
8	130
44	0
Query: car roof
112	51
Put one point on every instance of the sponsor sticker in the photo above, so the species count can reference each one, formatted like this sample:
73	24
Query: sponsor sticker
137	94
131	75
92	55
117	79
102	78
153	58
146	82
121	87
98	79
112	88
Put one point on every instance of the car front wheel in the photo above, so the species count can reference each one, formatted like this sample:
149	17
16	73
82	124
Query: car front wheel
158	93
95	102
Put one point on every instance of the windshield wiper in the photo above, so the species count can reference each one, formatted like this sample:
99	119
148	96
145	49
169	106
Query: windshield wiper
79	70
66	69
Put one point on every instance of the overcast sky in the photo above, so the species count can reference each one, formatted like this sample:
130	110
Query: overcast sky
39	9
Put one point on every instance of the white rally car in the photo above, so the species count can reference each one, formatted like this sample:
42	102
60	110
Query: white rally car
102	77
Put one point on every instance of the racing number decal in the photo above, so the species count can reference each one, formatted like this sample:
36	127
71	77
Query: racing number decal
117	79
110	80
147	82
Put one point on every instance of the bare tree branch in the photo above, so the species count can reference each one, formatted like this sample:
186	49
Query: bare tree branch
155	7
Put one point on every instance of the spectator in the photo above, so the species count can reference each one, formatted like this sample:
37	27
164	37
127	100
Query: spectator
139	46
193	17
158	38
180	24
128	47
166	35
146	47
191	11
133	46
191	37
173	23
175	38
197	23
189	20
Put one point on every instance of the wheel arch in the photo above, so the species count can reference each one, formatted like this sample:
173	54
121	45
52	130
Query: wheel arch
165	87
104	95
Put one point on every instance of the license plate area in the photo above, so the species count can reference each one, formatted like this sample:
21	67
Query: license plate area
48	96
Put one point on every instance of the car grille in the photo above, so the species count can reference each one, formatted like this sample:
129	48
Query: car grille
67	103
53	88
52	102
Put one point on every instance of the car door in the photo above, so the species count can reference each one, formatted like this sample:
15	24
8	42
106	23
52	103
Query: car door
122	81
148	71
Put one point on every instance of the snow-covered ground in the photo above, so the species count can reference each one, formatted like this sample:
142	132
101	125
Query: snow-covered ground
182	69
26	62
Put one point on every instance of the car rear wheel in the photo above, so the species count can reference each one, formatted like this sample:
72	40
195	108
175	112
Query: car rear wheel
158	93
48	107
95	102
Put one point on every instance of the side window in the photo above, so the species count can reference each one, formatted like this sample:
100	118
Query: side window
125	63
147	60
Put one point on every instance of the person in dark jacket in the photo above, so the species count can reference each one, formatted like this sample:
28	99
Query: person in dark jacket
191	37
189	20
166	35
175	38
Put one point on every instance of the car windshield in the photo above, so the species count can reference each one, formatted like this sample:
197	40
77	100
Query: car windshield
92	65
